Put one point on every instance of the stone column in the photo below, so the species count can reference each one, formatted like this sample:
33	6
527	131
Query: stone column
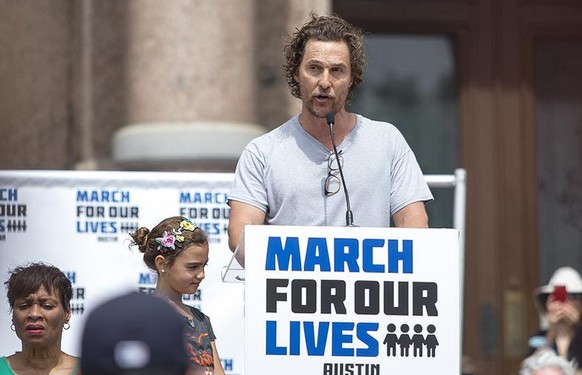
191	84
35	84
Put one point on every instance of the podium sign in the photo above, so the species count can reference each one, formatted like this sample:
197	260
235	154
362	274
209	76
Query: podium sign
351	301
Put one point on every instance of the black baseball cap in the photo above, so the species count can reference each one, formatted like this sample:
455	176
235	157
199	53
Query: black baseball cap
132	334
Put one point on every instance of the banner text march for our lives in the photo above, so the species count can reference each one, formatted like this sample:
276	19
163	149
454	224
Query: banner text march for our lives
84	219
351	304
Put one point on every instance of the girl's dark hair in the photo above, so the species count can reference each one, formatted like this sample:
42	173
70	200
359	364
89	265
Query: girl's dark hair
324	28
25	280
146	241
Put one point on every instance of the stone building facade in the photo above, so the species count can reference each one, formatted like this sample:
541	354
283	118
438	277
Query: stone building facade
96	84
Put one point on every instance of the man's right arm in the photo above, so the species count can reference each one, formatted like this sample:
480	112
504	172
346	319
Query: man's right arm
242	214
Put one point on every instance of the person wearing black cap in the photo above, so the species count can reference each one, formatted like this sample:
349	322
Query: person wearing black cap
134	334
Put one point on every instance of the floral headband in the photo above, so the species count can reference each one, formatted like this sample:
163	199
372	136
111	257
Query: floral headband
172	237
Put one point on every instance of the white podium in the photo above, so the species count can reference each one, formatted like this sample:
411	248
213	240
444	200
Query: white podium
337	300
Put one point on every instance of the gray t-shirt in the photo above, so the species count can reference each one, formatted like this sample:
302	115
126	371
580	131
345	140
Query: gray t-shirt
283	173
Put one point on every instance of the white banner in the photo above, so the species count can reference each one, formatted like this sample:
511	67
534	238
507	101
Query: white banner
79	221
361	301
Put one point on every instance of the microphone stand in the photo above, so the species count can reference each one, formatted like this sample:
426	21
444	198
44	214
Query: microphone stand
349	215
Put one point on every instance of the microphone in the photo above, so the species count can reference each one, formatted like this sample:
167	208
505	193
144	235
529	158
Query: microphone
349	215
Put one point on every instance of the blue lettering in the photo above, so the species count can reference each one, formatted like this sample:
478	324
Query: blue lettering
318	334
368	246
8	194
227	364
82	196
317	254
313	347
72	276
362	332
271	341
113	196
146	278
350	257
96	227
203	198
346	255
279	255
110	227
339	339
2	226
294	338
185	198
210	228
395	256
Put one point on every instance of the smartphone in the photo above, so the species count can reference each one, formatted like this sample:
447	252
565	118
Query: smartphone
559	293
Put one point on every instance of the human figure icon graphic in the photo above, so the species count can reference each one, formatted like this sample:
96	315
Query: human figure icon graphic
417	341
431	341
404	340
390	340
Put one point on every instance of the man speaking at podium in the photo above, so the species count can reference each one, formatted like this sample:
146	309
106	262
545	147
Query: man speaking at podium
320	165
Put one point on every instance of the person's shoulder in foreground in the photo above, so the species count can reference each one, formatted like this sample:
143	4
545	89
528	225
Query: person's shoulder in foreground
134	334
546	362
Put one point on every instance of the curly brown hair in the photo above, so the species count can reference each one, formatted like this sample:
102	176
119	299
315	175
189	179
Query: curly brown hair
324	28
146	242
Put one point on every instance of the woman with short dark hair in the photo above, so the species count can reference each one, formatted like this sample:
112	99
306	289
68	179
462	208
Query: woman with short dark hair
39	295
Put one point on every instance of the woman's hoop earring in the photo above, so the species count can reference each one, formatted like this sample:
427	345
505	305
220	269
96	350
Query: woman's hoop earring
66	326
12	327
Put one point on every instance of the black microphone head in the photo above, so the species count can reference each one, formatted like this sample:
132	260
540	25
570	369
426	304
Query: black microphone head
330	118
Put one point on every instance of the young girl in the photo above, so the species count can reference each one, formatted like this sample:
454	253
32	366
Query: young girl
178	251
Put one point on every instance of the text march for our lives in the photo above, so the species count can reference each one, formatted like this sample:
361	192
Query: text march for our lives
361	301
80	222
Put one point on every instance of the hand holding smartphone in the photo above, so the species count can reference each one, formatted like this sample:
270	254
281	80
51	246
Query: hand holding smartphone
560	293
